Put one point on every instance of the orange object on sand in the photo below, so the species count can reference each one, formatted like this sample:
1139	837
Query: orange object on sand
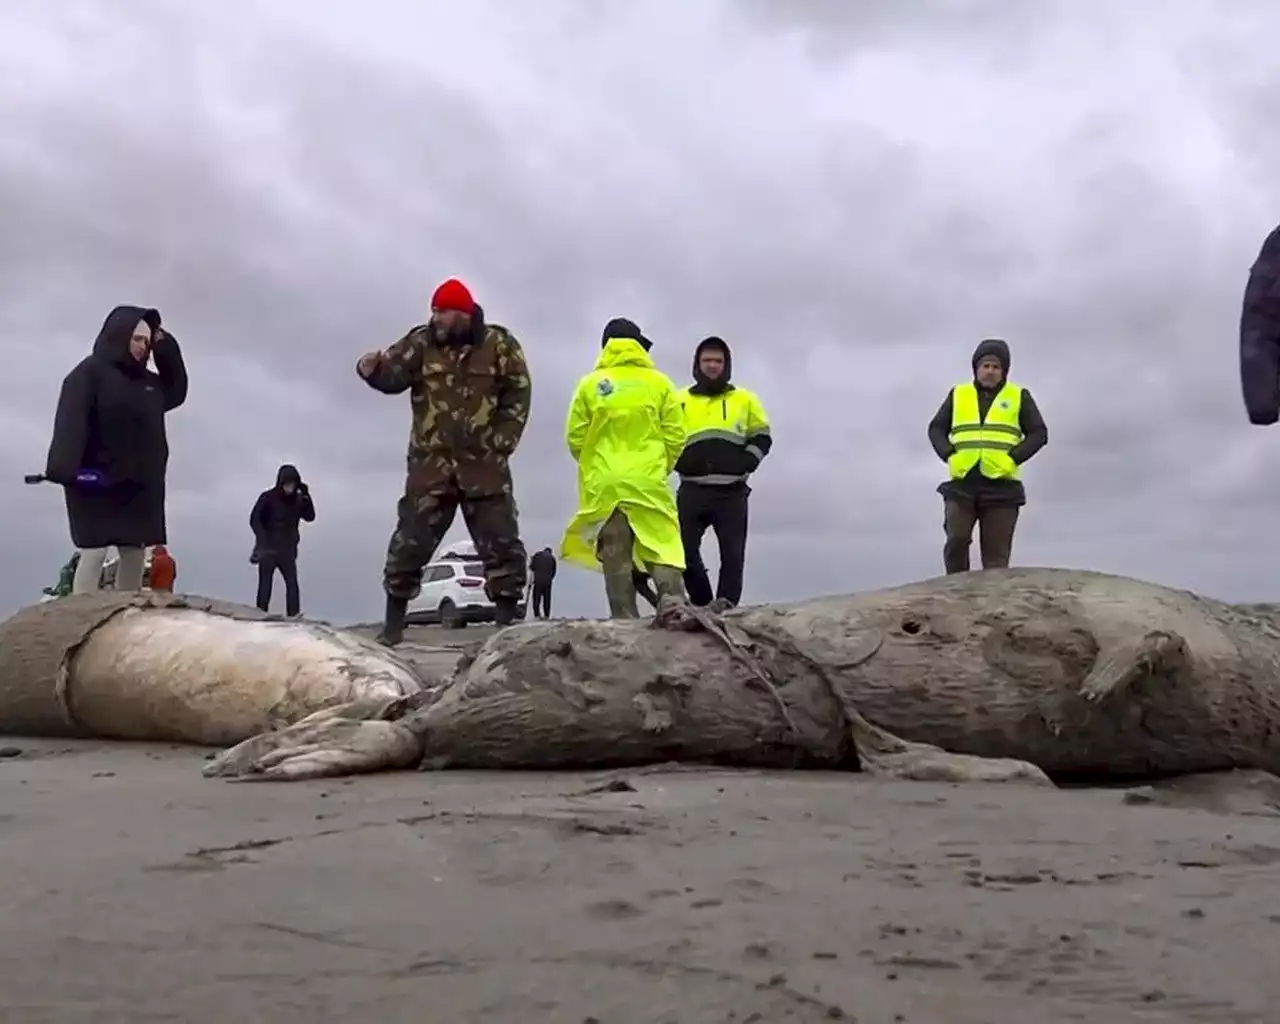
164	570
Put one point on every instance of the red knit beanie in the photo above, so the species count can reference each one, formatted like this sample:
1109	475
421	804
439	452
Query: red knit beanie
453	294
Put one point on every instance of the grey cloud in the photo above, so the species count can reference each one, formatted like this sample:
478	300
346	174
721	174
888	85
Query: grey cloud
852	216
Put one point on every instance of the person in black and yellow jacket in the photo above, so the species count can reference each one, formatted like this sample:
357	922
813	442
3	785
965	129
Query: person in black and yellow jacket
728	437
984	431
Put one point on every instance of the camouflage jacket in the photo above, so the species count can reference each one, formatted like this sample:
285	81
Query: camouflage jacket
470	407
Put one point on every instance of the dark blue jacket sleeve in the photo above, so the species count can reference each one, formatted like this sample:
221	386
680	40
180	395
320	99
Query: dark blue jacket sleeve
258	517
171	368
1260	335
71	426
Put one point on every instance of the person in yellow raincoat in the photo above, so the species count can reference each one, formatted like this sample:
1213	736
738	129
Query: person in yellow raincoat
625	430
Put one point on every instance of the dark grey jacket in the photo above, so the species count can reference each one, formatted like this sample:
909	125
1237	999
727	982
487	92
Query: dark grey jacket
1260	335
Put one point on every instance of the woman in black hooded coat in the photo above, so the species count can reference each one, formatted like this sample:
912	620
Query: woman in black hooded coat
109	449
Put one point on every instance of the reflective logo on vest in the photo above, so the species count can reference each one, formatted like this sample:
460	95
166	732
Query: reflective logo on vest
605	387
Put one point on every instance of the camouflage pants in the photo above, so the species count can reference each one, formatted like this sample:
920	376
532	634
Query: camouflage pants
616	549
422	520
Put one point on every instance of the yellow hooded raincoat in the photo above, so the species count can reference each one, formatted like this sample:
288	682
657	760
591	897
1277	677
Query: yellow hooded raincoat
625	430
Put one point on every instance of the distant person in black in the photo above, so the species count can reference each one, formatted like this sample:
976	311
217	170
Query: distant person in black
109	449
542	570
274	521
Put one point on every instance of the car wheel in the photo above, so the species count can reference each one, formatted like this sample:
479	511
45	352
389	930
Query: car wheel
450	617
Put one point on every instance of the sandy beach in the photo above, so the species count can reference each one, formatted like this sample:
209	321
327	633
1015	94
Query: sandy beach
136	890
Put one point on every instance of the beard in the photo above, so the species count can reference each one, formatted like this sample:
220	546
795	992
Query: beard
454	334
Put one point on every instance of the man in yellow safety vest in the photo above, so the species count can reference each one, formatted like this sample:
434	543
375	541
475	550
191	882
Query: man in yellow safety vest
984	431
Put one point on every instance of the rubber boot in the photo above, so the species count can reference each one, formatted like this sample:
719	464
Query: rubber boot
620	589
668	581
505	611
393	627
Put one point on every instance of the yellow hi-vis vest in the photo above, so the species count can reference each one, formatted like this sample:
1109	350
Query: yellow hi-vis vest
984	443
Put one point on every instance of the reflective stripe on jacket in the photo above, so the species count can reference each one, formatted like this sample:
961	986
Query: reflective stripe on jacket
728	436
984	443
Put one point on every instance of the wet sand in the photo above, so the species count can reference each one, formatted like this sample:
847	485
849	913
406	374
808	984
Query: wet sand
136	890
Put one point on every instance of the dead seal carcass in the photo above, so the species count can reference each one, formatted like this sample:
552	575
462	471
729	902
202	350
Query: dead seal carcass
1002	674
142	666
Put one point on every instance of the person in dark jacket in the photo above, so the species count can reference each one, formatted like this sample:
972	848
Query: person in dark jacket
728	437
1260	335
274	521
542	569
109	449
984	431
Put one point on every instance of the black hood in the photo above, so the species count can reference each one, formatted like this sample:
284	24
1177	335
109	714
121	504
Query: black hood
704	385
478	328
112	342
621	327
288	474
992	347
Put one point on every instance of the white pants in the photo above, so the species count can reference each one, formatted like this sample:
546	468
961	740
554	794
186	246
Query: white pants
128	569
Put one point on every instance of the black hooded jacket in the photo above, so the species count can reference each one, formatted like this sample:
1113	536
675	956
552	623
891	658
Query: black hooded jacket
704	385
110	418
1035	436
543	566
720	456
1260	335
276	515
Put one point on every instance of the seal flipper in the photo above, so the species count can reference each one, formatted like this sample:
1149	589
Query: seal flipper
1120	665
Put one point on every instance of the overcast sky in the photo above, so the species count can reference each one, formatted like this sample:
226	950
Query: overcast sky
852	195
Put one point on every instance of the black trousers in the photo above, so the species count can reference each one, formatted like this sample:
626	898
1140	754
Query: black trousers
996	524
288	569
724	511
644	587
541	599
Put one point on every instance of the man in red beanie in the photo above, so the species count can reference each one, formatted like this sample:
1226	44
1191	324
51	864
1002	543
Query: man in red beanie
470	391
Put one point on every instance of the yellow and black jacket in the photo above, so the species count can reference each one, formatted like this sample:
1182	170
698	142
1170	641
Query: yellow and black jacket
728	428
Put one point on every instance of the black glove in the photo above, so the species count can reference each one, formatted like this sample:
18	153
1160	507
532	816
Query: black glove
304	490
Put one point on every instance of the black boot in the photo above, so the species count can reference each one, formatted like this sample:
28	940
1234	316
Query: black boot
505	611
393	628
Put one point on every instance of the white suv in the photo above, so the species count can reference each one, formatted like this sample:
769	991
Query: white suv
453	595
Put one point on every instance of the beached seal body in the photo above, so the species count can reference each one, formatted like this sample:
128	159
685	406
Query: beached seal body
183	669
1077	672
1018	672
